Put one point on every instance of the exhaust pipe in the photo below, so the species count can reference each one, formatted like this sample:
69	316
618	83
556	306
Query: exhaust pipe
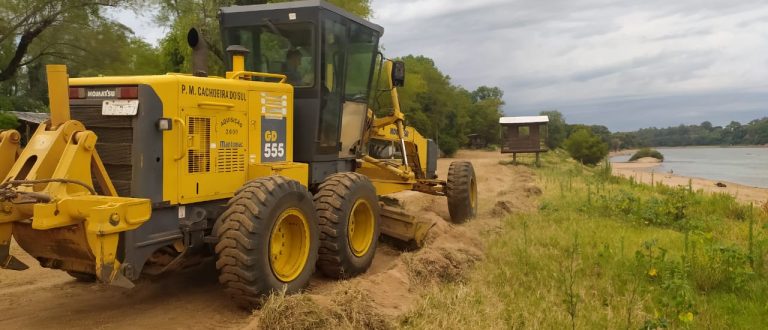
199	53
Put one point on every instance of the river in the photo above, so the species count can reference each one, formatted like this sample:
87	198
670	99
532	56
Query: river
747	165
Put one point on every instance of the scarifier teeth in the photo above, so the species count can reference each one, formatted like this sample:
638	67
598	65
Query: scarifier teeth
10	262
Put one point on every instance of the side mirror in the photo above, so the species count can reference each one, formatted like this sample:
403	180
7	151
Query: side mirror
398	73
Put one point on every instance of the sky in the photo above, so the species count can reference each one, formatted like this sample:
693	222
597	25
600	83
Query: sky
623	64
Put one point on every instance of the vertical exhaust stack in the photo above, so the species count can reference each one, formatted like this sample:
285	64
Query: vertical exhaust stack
237	53
199	52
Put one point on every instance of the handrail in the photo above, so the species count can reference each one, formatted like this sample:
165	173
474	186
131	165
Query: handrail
215	104
238	74
183	139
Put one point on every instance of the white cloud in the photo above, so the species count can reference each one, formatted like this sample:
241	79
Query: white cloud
582	56
625	64
142	24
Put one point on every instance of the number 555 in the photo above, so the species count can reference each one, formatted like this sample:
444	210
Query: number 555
272	150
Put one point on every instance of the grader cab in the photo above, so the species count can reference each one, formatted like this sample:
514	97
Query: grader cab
275	170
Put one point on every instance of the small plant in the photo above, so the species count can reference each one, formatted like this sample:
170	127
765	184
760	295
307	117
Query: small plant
719	266
569	281
647	152
606	171
491	147
676	297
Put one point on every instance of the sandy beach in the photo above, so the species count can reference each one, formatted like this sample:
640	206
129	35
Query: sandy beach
645	173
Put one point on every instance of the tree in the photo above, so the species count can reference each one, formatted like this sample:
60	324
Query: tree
485	113
586	147
8	121
440	110
23	23
76	33
602	132
485	93
557	129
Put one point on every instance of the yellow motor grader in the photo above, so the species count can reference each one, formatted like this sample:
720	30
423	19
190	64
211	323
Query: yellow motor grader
275	170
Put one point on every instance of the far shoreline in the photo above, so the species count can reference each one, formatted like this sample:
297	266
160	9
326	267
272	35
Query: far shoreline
644	173
625	152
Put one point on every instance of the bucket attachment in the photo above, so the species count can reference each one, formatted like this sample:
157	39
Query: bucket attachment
401	225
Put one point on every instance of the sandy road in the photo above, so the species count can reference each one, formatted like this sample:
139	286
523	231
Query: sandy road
192	299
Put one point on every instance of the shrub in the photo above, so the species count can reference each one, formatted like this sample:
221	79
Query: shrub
586	147
647	152
8	120
448	145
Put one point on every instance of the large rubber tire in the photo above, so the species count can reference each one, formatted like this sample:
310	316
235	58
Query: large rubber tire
461	191
350	218
249	229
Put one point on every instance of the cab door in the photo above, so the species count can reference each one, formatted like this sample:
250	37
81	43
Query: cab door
332	69
361	56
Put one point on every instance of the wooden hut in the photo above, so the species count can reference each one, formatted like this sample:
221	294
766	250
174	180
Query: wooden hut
476	141
28	122
525	134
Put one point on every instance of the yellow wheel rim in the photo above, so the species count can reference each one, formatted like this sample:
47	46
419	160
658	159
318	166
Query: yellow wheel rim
289	245
360	227
473	193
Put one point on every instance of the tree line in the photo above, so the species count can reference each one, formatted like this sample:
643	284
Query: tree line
754	132
590	143
81	34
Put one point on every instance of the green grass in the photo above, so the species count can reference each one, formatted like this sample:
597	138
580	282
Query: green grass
604	252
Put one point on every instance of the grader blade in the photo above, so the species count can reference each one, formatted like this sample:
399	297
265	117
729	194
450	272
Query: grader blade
397	223
48	201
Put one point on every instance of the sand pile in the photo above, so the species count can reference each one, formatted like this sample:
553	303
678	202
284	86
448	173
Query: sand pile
647	160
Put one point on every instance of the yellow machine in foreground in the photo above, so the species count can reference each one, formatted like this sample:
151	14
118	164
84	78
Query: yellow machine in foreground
274	170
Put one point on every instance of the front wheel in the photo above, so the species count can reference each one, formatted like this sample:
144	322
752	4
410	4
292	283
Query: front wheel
348	210
268	239
461	190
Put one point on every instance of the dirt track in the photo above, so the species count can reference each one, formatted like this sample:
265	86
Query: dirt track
42	298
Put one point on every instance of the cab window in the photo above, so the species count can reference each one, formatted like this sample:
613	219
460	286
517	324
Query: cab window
284	49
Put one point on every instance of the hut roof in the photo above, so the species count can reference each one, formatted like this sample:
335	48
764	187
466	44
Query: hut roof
31	117
524	120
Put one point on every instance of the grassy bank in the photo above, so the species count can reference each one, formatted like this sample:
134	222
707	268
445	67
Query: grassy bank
604	252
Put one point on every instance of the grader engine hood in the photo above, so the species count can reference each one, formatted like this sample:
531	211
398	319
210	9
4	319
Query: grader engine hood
49	202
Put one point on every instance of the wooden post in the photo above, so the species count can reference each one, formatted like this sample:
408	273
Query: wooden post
514	158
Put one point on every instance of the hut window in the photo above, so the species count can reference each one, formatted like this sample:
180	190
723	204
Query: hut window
523	131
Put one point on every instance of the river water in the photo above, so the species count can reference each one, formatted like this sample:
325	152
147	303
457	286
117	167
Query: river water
747	166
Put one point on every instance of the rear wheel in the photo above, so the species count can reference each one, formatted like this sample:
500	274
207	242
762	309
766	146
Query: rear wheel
268	239
349	215
461	190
